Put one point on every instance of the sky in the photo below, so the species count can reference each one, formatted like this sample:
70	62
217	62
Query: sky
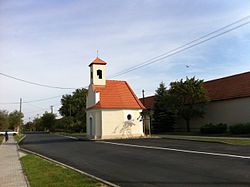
53	42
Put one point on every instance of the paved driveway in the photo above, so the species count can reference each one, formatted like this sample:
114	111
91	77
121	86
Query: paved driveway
145	166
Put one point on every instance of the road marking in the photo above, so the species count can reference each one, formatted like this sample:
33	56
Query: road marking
71	137
177	150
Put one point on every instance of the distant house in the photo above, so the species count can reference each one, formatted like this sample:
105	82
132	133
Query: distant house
113	110
229	102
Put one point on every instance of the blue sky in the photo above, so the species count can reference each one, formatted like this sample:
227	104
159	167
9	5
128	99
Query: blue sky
52	42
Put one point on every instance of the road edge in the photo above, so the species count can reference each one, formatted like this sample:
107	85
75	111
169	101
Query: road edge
65	165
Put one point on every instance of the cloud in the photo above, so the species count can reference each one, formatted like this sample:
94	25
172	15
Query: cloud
52	42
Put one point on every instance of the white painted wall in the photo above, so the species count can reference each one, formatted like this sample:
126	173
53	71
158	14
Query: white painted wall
96	80
96	124
116	124
228	111
113	123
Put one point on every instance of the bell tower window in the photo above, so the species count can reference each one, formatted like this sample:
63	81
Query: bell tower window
99	73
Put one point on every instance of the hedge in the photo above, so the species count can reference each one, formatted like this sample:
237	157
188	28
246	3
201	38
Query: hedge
214	128
241	128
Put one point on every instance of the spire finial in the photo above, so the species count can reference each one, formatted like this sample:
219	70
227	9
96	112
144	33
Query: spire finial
97	53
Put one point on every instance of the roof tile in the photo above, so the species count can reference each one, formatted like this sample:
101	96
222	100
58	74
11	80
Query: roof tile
116	94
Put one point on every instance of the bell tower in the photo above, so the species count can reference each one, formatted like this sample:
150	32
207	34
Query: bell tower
98	72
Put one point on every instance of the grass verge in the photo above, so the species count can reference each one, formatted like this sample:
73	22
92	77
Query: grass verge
1	139
218	140
227	141
41	173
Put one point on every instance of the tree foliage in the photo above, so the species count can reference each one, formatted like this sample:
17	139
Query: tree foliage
15	119
189	98
48	121
4	122
164	114
73	110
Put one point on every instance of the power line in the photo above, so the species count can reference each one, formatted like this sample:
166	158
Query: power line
37	84
183	47
33	101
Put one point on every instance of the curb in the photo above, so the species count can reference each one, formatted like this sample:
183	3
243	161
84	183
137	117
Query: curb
18	149
67	166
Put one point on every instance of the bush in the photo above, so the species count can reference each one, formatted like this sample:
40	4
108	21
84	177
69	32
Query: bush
242	128
214	129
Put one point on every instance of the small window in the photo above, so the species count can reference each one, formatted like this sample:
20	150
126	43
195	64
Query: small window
99	73
129	117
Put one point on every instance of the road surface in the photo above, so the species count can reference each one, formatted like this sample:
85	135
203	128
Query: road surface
149	162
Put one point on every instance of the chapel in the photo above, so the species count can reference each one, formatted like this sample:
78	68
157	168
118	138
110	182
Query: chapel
113	109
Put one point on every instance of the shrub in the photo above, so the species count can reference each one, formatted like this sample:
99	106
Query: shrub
214	129
241	128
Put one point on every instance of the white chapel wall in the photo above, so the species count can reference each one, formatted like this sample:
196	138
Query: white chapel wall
116	125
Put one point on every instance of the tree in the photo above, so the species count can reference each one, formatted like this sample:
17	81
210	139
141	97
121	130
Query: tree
73	107
15	119
48	121
164	114
189	98
4	122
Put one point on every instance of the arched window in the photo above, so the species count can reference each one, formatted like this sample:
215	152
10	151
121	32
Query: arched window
99	73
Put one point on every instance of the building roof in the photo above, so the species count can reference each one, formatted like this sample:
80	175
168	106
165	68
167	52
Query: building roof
148	102
116	94
232	87
98	61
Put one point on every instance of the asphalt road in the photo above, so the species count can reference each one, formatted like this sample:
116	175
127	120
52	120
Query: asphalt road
141	166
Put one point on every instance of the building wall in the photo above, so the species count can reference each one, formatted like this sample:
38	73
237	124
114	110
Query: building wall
228	111
91	98
113	123
96	80
94	131
116	124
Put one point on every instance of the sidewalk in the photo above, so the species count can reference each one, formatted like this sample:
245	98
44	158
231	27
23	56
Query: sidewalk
11	174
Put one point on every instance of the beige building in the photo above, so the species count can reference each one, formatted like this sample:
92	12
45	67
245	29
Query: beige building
113	110
229	102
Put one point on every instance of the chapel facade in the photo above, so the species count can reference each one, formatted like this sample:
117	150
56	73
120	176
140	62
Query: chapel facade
113	109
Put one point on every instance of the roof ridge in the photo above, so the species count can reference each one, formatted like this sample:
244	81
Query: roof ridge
135	97
116	80
230	76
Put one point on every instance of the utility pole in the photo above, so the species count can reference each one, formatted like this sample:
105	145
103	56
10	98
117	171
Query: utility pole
52	109
143	116
20	110
143	101
20	116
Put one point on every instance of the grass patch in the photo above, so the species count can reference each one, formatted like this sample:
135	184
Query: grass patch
197	133
17	137
227	141
1	139
42	173
218	140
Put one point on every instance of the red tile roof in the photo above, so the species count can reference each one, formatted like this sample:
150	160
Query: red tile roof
231	87
236	86
98	61
148	102
117	94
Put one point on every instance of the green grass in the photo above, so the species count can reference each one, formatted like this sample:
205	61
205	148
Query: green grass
227	141
1	139
218	140
42	173
197	133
